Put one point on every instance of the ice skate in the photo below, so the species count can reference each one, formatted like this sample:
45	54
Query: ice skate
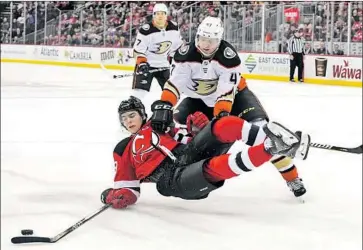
281	141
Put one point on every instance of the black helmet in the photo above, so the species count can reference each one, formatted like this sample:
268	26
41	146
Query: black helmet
133	103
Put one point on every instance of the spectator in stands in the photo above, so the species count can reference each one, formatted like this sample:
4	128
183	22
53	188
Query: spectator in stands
321	50
119	16
337	50
307	49
357	29
5	25
283	45
16	40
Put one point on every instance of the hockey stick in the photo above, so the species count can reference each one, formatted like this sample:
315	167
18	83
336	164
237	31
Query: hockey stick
164	150
357	150
34	239
129	74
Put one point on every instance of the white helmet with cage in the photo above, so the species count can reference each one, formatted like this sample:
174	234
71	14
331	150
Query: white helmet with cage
209	35
160	7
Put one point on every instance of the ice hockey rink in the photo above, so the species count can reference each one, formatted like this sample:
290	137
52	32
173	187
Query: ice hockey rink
58	130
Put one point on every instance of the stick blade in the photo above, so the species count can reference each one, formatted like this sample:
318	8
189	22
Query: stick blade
359	150
30	239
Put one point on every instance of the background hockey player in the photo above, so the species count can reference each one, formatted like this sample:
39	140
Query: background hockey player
201	166
155	42
208	73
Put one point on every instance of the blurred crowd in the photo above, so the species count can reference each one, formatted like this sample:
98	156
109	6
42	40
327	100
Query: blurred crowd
115	23
315	26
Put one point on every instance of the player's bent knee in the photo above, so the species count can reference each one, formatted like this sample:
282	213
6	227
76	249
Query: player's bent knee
188	183
234	125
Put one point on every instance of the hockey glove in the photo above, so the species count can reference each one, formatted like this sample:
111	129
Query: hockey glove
119	198
162	116
142	69
196	122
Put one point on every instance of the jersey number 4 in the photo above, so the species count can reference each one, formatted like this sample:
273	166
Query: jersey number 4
233	78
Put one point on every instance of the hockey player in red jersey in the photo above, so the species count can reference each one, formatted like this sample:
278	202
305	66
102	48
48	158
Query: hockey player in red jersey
192	170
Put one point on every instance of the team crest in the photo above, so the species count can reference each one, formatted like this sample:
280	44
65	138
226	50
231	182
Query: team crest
141	146
183	50
146	26
162	47
204	87
229	53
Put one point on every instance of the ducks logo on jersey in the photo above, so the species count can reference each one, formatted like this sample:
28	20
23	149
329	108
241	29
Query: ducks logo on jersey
161	48
204	87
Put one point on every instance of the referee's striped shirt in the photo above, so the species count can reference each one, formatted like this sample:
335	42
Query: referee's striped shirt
295	45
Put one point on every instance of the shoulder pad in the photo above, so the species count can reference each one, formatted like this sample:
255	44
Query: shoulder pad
187	53
227	55
121	146
172	26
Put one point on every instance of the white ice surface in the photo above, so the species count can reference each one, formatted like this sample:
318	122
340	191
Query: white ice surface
58	130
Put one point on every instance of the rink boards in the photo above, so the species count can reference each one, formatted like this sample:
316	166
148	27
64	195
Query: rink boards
319	69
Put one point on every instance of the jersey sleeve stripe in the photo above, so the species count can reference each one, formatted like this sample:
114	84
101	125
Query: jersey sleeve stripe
224	103
136	193
140	59
169	96
172	87
137	53
126	184
242	84
170	93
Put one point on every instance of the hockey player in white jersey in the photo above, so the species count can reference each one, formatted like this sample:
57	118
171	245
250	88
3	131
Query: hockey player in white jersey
155	42
208	73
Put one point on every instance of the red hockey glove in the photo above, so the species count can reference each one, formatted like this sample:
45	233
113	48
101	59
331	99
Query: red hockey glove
120	198
196	122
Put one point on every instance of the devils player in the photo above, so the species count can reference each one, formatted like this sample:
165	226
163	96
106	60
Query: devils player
155	42
208	73
200	166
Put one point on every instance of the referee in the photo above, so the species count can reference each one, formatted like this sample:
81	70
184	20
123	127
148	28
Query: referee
295	47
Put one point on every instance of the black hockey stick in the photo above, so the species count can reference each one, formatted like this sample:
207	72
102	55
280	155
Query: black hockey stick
130	74
357	150
35	239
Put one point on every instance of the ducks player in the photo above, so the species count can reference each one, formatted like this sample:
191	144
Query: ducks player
208	73
155	42
195	173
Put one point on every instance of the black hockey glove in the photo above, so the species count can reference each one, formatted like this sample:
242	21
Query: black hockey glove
143	69
162	116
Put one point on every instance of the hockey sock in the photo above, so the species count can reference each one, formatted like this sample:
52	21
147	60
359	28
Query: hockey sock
230	165
286	167
231	128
